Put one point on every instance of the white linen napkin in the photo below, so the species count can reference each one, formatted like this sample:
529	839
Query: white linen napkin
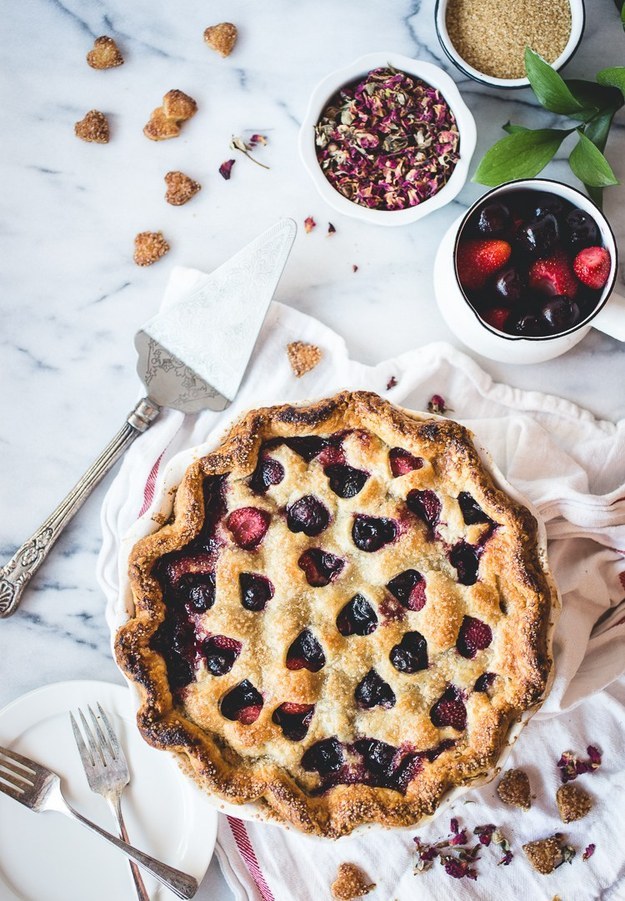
572	468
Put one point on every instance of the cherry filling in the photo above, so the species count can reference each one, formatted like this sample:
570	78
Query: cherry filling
346	481
426	505
466	560
373	691
220	653
387	766
248	526
175	641
474	636
243	703
268	472
472	513
370	533
308	447
411	654
324	757
305	653
256	591
409	589
449	710
357	617
403	462
293	719
214	493
307	515
320	567
196	591
184	568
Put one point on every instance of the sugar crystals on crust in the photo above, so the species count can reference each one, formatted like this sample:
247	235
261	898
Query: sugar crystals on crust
166	120
221	38
105	54
94	128
180	188
149	247
303	357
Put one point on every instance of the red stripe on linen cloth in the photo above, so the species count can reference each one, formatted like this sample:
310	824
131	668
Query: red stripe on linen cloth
148	491
242	839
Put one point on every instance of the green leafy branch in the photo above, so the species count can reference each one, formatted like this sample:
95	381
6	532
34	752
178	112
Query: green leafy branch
592	104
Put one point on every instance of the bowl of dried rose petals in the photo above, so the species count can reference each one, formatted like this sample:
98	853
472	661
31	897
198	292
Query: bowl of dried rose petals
387	139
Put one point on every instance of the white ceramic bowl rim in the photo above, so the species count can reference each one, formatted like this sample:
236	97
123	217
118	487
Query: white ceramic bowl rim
552	187
578	23
428	72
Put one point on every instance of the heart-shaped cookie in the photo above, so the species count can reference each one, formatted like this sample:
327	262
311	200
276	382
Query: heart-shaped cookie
94	128
180	188
105	54
221	38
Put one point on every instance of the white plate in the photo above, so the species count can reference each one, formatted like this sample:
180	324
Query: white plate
48	856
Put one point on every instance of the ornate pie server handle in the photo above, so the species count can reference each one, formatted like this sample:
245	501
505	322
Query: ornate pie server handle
17	573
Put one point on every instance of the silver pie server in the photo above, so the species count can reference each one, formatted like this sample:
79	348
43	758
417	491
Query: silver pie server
192	356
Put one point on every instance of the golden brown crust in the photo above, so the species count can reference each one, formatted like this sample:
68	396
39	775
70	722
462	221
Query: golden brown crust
93	128
221	38
166	120
244	762
351	883
180	188
149	247
303	357
105	54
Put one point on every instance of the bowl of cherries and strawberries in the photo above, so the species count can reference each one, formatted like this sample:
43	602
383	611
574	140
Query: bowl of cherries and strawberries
531	263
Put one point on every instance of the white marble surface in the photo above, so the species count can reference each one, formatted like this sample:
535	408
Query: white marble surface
72	298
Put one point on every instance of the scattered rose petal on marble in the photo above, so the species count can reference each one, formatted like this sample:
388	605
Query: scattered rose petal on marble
226	169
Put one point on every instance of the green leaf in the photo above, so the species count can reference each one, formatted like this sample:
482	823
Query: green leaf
514	129
520	155
590	165
598	129
614	76
594	96
595	194
549	87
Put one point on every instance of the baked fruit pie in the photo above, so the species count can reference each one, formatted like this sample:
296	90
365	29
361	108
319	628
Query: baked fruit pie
342	618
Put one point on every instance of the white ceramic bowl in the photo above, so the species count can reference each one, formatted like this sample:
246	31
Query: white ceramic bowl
578	21
432	75
463	320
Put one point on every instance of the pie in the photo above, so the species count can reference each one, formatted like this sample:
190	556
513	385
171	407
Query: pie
341	619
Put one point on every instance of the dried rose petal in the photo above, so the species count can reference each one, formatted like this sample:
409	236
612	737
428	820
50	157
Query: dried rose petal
485	833
588	852
505	860
436	404
453	826
226	169
458	868
331	229
388	142
571	767
354	267
257	139
309	224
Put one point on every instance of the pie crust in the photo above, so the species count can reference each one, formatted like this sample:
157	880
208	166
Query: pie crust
359	697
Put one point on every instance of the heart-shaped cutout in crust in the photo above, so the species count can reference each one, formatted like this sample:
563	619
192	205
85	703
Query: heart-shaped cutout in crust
321	626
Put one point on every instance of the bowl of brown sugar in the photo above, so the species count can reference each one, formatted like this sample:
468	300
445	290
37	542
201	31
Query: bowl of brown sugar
486	39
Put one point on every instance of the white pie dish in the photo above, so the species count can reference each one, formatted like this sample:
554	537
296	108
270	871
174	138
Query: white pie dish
432	75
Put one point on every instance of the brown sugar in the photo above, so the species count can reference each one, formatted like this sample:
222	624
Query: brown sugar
492	37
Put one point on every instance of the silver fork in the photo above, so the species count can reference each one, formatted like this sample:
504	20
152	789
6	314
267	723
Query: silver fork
107	773
39	789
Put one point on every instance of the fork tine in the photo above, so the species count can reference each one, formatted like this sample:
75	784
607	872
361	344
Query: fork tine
14	778
83	750
11	792
25	762
93	747
105	748
109	731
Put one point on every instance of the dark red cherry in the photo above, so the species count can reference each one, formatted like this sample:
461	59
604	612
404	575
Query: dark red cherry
409	589
426	505
527	325
174	640
293	719
248	526
305	653
474	636
510	286
444	745
308	447
243	703
196	591
493	220
560	313
307	515
357	617
256	591
373	691
538	237
464	557
449	710
370	533
402	461
472	513
582	230
544	203
378	756
324	757
268	472
411	654
346	481
320	567
484	682
214	493
220	653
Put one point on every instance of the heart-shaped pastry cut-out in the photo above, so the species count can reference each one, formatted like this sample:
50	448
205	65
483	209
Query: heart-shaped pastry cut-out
221	38
180	188
105	54
93	128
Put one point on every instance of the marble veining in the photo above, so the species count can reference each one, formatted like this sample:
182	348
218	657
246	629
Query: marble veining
71	298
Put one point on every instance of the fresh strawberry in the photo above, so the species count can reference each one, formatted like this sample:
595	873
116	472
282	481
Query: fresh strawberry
496	316
478	260
553	276
592	267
